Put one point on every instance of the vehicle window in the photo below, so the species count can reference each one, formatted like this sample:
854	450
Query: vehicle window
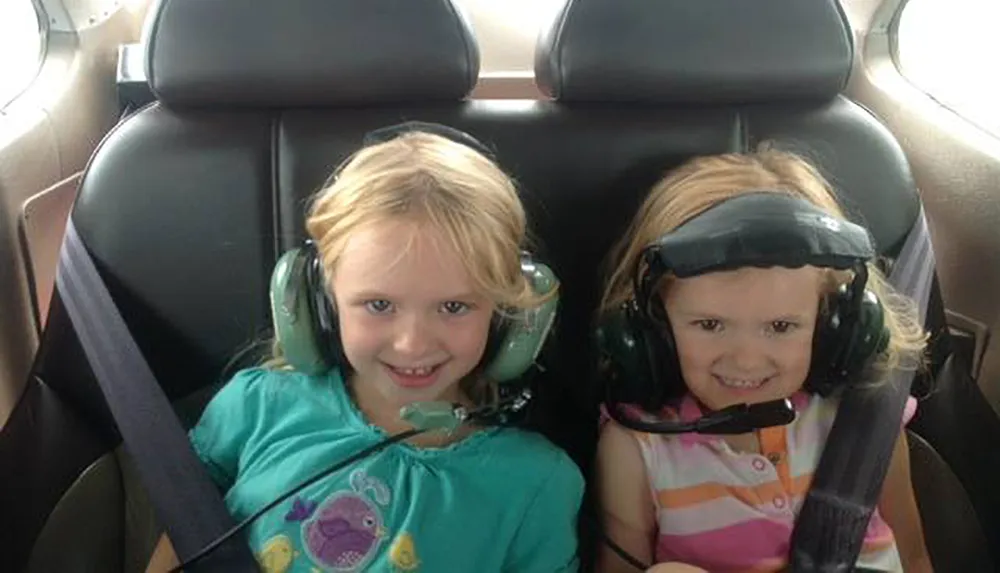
948	49
20	47
507	31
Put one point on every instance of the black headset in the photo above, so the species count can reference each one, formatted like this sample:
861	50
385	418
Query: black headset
637	354
305	320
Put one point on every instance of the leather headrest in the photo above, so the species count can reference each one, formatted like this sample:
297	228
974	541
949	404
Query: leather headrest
695	51
287	53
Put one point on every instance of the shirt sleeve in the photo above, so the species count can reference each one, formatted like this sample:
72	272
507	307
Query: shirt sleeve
546	541
909	410
226	424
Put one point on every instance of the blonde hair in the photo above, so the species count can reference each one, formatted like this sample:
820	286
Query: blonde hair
706	181
430	179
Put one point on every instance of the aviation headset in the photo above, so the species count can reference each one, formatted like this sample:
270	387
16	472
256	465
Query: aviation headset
305	321
638	357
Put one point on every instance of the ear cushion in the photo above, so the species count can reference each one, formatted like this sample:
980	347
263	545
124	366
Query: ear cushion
635	360
849	336
304	324
522	334
498	329
870	335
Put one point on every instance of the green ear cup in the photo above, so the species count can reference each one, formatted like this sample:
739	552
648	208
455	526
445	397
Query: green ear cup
526	330
622	350
872	335
292	311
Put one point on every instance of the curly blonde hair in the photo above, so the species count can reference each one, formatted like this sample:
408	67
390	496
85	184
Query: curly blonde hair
431	179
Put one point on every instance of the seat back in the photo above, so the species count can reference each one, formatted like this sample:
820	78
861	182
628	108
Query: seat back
196	176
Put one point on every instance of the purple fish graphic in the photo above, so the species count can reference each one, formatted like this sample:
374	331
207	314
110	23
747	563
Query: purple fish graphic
301	510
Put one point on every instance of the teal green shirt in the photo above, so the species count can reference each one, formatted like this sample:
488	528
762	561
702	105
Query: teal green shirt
502	499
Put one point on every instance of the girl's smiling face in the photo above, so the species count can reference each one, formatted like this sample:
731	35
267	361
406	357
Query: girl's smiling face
744	336
411	322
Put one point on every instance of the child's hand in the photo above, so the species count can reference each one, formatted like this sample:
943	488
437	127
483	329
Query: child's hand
675	568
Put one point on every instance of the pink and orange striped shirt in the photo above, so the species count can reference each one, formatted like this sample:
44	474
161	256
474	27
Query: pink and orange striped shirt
726	511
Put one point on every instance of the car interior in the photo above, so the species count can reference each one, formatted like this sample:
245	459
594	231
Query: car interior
234	113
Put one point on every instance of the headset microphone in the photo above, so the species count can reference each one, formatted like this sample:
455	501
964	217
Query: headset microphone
447	417
737	419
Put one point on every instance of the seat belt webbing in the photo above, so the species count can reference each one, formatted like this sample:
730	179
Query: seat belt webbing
831	525
186	500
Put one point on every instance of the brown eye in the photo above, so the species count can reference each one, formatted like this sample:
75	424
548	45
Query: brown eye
782	326
709	324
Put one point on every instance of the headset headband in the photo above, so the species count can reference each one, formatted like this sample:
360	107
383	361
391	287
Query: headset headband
762	229
390	132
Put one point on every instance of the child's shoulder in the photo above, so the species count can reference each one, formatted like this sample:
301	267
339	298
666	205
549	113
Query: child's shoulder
813	408
530	456
529	471
526	443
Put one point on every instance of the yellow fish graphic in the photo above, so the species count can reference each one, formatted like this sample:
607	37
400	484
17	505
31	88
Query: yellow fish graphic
403	553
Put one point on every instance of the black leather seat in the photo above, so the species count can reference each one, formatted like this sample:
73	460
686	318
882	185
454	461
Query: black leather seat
187	204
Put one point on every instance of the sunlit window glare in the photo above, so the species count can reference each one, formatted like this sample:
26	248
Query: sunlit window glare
949	48
19	47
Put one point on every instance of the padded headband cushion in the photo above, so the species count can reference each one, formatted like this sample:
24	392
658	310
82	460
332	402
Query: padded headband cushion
701	51
387	133
761	229
285	53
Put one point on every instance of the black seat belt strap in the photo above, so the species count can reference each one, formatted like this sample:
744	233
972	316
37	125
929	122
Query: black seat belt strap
186	500
834	517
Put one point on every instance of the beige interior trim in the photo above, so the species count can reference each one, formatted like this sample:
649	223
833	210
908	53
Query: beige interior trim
957	169
43	223
46	135
506	85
